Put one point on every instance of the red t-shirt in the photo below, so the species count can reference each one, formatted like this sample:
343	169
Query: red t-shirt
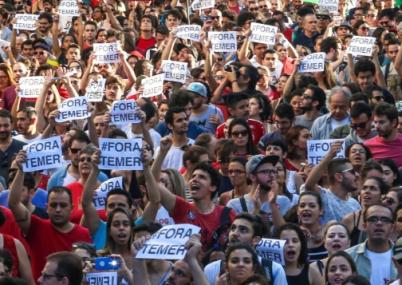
76	189
187	213
386	149
10	227
257	128
143	44
44	239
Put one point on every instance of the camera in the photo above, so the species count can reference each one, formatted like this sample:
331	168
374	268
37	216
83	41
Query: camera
107	263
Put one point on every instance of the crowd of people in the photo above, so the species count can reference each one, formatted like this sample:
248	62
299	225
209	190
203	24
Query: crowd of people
225	149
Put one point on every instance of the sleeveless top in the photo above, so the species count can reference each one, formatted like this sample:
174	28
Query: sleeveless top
9	244
302	278
357	236
317	253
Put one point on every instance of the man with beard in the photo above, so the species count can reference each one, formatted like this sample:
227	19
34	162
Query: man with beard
313	100
45	236
336	201
26	125
8	145
262	172
45	21
388	142
249	229
373	256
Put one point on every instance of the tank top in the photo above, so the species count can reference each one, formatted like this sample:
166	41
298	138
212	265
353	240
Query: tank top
357	236
301	278
317	253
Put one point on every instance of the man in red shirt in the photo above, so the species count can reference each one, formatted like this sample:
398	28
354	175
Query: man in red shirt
238	108
45	236
147	38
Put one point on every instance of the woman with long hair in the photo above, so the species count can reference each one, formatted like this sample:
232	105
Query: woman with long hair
242	137
390	172
6	79
358	154
339	267
296	138
297	269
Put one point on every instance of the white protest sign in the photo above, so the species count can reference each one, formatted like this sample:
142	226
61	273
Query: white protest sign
104	278
121	154
73	109
69	7
153	86
168	243
313	62
124	111
106	53
95	88
361	46
223	41
99	199
272	249
263	34
26	22
31	87
330	5
317	149
189	32
43	154
175	71
4	43
202	4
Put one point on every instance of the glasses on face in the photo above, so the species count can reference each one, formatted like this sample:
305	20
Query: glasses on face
350	170
236	171
358	126
214	17
361	151
271	172
85	159
39	52
240	133
376	219
74	150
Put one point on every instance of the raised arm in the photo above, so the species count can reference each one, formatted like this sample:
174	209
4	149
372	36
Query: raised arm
128	70
378	72
287	90
91	218
164	146
21	213
193	246
140	271
55	36
169	46
243	53
85	77
40	105
351	66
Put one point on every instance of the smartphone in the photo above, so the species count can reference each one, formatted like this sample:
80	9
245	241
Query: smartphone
107	263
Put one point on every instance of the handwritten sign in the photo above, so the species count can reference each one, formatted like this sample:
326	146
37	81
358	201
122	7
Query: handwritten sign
189	32
26	22
361	46
99	199
73	109
124	111
121	154
202	4
95	90
330	5
314	62
175	71
272	249
106	53
168	243
264	34
153	86
43	154
317	149
31	87
67	10
104	278
223	41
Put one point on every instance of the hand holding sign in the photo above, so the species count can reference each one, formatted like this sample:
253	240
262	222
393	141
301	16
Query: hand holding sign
193	246
20	159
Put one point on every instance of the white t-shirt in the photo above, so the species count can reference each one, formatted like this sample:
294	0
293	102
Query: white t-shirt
163	217
21	138
380	267
174	158
335	123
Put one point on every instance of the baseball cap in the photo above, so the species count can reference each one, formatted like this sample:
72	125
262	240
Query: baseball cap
344	24
397	250
198	88
323	12
255	161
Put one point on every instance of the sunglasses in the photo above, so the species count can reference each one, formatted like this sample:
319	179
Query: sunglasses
350	170
75	150
358	126
214	17
375	219
241	133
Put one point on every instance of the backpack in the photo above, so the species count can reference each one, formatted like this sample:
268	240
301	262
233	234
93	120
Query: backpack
221	232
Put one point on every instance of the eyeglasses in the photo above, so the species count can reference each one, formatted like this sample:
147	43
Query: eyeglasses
375	219
350	170
236	171
362	151
268	172
240	133
75	150
85	159
214	17
358	126
39	52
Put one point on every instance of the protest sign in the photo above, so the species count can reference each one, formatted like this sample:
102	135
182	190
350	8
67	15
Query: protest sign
73	109
330	5
263	34
153	86
168	243
124	111
317	149
99	199
95	90
313	62
189	32
26	22
31	87
43	154
4	43
175	71
120	154
104	278
106	53
272	249
67	10
223	41
202	4
361	46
